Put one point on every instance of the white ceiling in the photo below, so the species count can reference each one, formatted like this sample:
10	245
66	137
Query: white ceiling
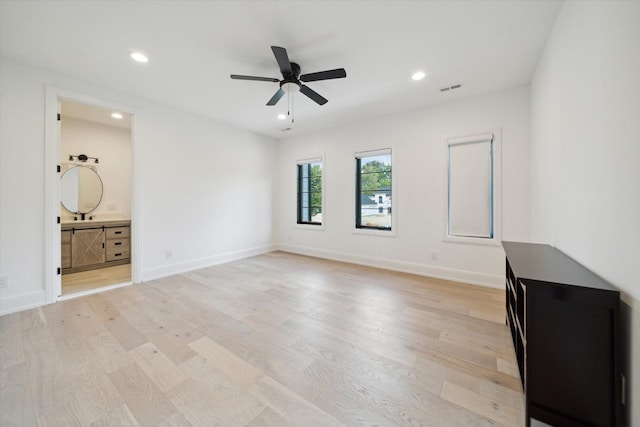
194	46
94	114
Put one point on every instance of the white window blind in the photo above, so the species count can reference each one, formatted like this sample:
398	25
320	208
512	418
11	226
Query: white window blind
470	187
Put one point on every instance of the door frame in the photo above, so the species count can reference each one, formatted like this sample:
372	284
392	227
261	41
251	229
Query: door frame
52	237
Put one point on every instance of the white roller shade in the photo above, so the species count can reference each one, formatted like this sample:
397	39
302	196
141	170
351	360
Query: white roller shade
470	197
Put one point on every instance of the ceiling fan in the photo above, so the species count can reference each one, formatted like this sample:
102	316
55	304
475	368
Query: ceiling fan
292	80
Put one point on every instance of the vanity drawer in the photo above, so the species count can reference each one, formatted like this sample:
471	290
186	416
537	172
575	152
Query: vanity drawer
117	249
117	232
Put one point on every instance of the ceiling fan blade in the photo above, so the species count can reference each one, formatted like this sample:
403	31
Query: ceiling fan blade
260	79
338	73
315	96
283	60
276	97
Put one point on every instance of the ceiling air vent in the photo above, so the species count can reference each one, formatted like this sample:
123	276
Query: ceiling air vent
444	89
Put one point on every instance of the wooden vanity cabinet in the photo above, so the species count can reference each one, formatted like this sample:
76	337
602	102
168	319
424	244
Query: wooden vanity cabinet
93	245
66	249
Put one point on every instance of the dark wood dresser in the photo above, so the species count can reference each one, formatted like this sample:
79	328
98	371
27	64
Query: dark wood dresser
564	322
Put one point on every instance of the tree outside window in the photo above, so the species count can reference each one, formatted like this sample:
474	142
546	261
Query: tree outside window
310	193
373	188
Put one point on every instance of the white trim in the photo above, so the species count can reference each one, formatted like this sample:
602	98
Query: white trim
195	264
22	302
311	160
377	232
496	135
471	277
372	153
53	96
318	227
93	291
52	237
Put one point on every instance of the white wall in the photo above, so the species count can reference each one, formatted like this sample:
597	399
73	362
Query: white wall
586	150
417	139
197	183
112	145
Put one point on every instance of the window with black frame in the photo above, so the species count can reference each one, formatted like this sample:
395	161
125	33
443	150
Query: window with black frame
373	190
310	192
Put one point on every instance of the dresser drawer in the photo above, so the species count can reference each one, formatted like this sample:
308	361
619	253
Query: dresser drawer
117	232
117	249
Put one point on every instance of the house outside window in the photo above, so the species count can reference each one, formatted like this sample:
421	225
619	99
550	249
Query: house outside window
309	205
373	190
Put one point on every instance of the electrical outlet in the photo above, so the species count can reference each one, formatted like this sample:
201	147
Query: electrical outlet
168	254
434	256
4	282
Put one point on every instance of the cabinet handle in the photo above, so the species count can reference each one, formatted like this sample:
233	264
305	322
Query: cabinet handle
117	232
118	254
117	243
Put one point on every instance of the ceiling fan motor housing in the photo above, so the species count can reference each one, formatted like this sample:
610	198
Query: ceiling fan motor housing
290	82
295	71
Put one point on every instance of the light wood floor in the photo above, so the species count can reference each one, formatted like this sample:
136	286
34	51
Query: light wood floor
92	279
273	340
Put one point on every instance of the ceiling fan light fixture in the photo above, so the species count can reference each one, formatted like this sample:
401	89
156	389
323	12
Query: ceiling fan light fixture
290	87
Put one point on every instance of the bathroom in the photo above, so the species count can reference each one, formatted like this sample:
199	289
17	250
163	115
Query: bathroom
96	198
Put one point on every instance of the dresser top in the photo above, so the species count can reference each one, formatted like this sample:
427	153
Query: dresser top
544	263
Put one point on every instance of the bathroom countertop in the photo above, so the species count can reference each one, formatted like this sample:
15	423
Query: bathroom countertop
69	225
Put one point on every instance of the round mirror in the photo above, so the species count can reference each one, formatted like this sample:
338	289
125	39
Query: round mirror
81	189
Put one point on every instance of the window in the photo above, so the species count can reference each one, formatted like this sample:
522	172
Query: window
310	192
471	177
373	190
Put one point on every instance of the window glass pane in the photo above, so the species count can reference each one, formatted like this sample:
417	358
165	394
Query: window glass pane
373	197
310	193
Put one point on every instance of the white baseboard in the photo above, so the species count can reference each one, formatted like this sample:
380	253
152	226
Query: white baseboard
195	264
38	298
483	279
22	302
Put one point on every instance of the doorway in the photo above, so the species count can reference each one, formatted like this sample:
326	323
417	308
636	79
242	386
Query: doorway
91	245
95	193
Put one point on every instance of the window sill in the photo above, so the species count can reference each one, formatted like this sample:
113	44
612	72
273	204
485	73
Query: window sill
319	227
375	232
472	240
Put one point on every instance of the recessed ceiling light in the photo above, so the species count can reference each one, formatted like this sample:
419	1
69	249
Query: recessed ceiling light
116	116
282	116
418	75
137	56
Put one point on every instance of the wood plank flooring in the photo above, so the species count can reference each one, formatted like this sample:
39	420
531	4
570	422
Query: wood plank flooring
273	340
92	279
